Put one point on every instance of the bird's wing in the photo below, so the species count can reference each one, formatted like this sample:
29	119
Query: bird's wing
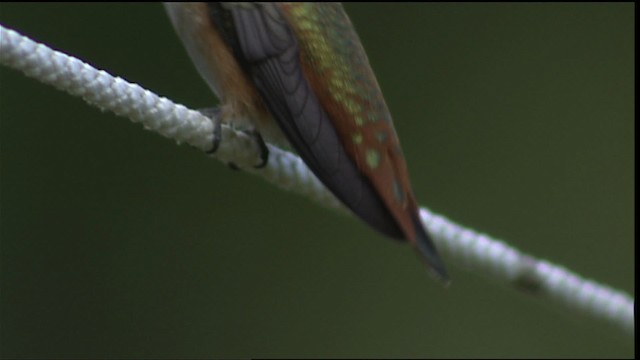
267	48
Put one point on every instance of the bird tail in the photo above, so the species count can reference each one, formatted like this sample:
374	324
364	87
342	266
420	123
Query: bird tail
427	250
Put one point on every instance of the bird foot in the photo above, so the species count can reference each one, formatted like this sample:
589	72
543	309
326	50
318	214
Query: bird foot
214	115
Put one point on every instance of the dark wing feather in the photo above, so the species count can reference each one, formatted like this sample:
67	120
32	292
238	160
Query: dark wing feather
268	51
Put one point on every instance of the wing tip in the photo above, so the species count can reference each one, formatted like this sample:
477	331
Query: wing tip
429	254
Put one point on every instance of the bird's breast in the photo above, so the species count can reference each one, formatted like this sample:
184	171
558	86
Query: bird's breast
194	23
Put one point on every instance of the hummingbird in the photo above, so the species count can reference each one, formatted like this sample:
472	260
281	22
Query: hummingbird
299	73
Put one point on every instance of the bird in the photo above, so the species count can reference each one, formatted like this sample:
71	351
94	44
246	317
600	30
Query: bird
298	74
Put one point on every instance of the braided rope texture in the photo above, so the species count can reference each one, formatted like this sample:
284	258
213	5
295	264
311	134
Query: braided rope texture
473	250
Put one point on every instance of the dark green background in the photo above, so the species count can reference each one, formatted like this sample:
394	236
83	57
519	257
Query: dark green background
517	120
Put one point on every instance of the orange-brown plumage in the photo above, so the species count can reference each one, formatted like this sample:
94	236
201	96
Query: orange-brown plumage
299	68
216	62
390	176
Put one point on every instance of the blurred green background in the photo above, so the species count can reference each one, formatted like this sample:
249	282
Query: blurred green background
517	120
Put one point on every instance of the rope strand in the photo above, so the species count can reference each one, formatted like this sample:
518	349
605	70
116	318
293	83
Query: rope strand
478	251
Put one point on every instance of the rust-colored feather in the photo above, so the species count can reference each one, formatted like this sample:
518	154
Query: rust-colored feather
302	65
338	70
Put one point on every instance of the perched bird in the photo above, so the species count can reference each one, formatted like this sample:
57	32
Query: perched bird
299	73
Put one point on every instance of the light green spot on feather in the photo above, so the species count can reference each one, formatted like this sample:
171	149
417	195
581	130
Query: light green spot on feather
373	158
382	136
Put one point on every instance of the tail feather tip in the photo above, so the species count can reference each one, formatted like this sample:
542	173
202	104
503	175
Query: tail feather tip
429	254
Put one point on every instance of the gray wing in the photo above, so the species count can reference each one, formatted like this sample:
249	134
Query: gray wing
266	48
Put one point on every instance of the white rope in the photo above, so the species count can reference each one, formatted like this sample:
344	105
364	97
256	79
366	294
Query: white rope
478	251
